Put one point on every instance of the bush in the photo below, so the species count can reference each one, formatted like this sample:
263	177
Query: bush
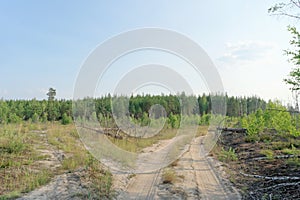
66	119
174	120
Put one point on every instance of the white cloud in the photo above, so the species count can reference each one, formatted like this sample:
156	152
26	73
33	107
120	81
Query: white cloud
254	68
244	51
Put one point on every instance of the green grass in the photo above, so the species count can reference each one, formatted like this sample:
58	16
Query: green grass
268	153
293	162
292	151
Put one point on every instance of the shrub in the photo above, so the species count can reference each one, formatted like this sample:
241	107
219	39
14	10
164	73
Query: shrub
66	119
229	155
254	123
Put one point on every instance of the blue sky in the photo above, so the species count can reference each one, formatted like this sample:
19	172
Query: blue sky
44	43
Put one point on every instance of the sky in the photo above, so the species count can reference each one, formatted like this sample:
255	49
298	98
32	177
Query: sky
44	44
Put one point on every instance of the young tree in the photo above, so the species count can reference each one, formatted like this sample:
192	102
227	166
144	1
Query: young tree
52	107
51	94
290	8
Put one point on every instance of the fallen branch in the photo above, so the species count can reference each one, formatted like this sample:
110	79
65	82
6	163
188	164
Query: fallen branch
280	185
275	157
274	178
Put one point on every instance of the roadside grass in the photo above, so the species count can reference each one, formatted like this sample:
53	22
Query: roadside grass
132	144
169	176
20	154
101	179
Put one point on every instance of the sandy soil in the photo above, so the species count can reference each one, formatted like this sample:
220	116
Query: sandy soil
197	179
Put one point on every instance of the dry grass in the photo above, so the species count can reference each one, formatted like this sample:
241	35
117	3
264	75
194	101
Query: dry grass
132	144
169	176
21	147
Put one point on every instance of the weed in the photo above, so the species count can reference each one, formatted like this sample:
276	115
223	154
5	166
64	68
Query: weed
101	180
252	138
295	162
279	145
169	176
293	151
131	176
227	156
268	153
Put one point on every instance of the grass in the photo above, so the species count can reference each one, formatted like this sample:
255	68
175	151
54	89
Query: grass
101	180
293	162
169	176
268	153
132	144
292	151
21	147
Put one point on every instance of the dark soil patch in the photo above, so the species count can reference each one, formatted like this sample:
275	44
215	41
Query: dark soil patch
260	175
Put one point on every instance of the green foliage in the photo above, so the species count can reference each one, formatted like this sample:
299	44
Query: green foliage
102	180
294	162
293	80
35	118
66	119
12	142
145	120
268	153
254	123
205	119
275	117
227	156
51	94
252	138
292	151
13	118
174	120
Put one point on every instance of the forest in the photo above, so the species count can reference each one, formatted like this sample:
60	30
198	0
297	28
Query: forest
14	111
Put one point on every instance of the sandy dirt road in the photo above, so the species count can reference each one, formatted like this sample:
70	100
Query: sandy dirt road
199	180
206	178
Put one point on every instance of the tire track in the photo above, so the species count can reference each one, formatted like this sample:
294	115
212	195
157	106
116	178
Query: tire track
200	180
206	178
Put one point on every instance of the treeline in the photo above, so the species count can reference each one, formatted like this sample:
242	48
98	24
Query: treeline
14	111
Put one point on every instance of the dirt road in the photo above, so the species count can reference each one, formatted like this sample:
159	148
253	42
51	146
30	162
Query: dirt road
209	184
197	179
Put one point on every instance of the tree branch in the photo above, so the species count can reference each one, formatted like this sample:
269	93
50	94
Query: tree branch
273	178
